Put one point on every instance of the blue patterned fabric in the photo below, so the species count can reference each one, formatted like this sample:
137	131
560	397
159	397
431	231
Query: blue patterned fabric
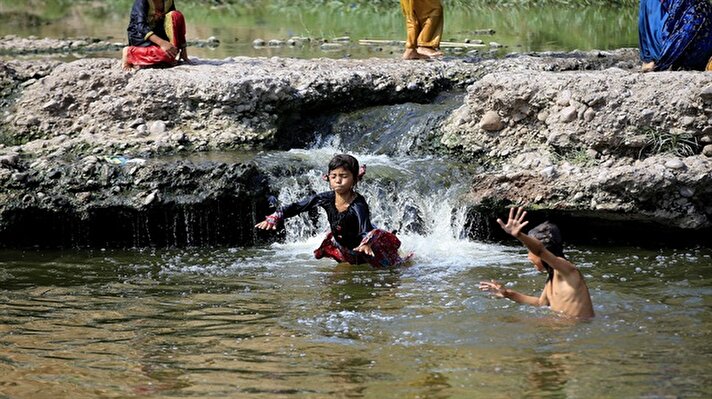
676	34
651	19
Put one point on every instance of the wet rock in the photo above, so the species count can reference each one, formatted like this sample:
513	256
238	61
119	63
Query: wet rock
589	114
548	172
156	127
706	93
83	197
564	99
687	192
258	43
136	123
150	198
491	121
687	121
9	160
707	150
674	164
568	114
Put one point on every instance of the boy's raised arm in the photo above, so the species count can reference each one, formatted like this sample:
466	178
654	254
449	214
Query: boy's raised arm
514	226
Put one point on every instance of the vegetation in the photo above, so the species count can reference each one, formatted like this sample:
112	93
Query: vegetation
527	26
676	142
575	156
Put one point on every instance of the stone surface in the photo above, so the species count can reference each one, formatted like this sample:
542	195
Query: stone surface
491	121
65	123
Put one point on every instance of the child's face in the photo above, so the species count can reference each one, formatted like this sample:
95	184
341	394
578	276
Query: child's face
341	180
536	261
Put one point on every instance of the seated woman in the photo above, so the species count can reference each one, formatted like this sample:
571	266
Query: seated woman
675	34
156	35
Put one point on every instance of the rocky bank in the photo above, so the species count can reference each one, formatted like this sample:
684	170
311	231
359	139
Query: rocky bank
582	136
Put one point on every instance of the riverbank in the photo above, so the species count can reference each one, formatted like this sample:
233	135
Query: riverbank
579	136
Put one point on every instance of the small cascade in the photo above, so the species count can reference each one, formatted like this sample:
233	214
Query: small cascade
411	192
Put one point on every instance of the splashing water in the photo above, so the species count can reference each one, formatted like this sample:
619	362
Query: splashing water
418	197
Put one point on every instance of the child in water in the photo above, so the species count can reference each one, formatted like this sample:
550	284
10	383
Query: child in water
565	290
353	239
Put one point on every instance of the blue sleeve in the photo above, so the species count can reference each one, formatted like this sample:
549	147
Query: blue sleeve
363	216
139	19
304	205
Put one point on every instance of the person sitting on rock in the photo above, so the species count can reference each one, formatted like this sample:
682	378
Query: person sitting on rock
353	239
675	34
424	28
565	290
156	35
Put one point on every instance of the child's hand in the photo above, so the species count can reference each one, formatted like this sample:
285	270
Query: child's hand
494	287
271	221
169	48
515	222
364	248
266	225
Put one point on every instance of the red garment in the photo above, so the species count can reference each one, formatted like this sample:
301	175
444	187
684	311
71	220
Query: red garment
155	55
383	243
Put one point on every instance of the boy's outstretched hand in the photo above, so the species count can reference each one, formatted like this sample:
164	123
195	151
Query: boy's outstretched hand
515	223
494	287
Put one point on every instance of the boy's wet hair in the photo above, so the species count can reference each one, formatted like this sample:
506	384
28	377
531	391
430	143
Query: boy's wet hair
347	162
549	235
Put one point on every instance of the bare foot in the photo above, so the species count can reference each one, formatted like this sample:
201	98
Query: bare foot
430	52
125	64
184	57
411	54
648	66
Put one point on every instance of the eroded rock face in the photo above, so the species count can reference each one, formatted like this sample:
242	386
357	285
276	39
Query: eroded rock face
129	202
611	141
554	132
234	104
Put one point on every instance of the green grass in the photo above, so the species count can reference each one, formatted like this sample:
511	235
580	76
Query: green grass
528	26
676	142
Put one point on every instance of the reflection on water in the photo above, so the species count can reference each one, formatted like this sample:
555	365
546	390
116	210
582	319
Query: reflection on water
520	29
273	322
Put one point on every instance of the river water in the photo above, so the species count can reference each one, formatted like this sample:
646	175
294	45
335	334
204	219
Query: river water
519	29
273	322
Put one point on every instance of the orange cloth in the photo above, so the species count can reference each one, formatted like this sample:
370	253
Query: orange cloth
709	65
424	23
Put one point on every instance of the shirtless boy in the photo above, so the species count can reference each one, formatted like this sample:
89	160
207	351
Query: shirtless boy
565	290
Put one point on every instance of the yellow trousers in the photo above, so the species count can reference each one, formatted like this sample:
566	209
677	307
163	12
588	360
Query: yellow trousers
424	23
709	65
